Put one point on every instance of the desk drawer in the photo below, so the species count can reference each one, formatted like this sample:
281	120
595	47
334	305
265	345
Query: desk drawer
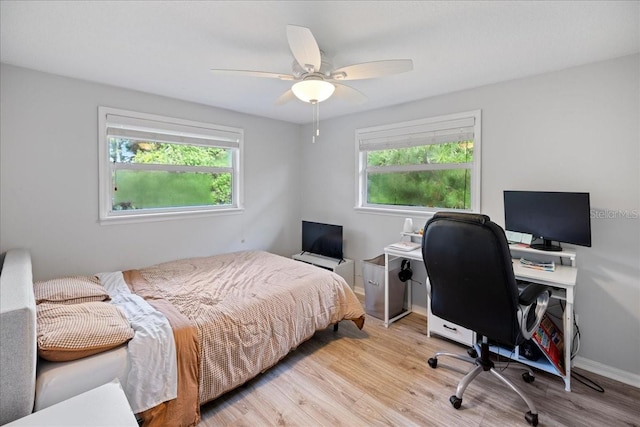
450	330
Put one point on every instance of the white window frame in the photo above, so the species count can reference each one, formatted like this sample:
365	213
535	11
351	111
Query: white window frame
165	129
431	130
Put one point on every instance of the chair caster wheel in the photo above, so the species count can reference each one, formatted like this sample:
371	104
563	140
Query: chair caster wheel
457	402
528	377
531	418
472	352
433	362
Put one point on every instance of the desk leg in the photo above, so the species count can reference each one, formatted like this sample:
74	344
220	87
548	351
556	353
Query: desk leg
386	290
409	295
568	338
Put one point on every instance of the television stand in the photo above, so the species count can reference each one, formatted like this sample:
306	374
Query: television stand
342	267
340	260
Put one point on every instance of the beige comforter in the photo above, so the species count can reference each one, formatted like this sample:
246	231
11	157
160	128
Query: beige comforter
250	309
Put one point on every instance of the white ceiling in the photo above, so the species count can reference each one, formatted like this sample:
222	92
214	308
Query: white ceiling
168	47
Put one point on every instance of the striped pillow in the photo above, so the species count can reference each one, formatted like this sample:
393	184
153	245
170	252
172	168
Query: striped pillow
72	331
70	290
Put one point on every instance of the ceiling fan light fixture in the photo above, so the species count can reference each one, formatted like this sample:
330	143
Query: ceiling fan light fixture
313	91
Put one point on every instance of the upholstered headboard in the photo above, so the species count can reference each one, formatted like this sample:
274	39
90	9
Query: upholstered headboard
18	352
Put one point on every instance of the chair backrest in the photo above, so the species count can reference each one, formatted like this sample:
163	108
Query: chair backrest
471	275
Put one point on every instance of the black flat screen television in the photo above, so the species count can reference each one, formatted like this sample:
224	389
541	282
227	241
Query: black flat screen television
322	239
551	216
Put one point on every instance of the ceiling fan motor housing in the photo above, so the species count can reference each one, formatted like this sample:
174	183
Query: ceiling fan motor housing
325	68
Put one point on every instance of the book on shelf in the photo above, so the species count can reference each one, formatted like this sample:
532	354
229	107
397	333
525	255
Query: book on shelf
514	237
545	266
550	340
405	246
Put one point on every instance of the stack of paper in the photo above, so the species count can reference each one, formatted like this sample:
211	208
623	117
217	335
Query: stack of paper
546	266
405	246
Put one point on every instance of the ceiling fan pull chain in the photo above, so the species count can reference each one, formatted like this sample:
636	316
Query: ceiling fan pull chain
316	121
313	112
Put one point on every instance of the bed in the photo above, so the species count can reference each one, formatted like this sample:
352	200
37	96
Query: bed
232	316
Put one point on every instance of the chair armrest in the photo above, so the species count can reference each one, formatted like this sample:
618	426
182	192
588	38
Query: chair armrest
532	303
529	294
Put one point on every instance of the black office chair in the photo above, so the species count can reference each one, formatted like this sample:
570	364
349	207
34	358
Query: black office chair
472	284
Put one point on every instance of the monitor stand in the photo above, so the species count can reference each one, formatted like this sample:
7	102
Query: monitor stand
547	245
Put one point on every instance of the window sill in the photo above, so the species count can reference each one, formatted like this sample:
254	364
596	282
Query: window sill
395	212
407	212
165	216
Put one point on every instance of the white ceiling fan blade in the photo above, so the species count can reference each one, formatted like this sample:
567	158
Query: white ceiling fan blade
368	70
349	94
288	96
248	73
304	47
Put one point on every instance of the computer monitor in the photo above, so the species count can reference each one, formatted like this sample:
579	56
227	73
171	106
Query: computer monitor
550	216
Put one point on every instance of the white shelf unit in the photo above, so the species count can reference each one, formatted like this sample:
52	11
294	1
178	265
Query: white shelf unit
543	363
563	283
415	237
538	254
343	268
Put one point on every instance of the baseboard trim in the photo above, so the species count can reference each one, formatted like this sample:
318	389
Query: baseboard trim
607	371
418	309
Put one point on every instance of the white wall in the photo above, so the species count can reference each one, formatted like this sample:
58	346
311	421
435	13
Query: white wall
573	130
49	181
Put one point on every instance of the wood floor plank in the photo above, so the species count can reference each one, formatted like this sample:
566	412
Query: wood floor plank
312	398
272	407
379	377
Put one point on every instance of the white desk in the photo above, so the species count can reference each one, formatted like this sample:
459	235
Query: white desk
562	280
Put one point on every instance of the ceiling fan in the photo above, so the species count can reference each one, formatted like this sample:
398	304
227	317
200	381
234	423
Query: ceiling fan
315	78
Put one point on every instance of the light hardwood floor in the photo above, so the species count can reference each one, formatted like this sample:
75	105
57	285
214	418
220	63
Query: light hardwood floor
379	377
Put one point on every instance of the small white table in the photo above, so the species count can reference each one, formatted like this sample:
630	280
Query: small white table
104	406
389	254
342	267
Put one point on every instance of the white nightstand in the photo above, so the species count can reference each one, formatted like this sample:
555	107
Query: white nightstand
343	267
104	406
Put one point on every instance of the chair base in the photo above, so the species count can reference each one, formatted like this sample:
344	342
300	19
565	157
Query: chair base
485	364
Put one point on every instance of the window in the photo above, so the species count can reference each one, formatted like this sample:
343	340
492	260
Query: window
420	166
156	167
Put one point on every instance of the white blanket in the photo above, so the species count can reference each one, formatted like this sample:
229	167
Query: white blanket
153	376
